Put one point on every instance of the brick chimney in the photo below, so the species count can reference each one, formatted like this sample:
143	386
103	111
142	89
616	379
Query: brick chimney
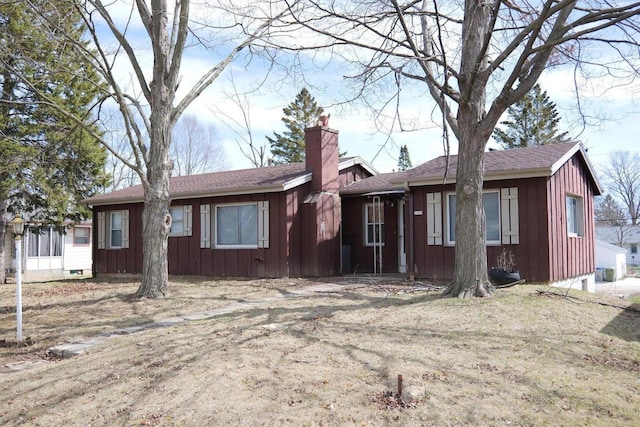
321	151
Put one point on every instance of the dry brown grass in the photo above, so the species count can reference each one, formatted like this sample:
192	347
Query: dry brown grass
329	358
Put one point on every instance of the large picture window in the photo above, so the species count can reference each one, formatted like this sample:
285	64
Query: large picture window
46	243
575	216
374	224
491	204
237	226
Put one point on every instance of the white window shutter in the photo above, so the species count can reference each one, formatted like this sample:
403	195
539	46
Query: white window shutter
188	220
434	219
102	228
509	216
125	228
263	224
205	226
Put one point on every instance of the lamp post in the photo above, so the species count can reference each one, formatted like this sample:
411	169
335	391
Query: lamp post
18	230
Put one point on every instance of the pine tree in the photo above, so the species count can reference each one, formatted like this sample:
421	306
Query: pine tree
298	115
49	161
533	121
404	161
610	213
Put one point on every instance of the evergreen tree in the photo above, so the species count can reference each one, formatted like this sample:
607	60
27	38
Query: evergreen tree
609	212
404	161
298	115
49	161
533	121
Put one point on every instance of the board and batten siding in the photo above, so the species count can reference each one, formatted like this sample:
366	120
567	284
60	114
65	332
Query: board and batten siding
570	256
186	253
435	259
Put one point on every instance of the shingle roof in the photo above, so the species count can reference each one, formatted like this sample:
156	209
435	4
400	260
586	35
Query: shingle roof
499	164
242	181
373	184
542	160
627	233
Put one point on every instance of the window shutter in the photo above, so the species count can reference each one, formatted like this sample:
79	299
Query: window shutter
205	226
434	219
509	215
102	228
125	228
188	220
263	224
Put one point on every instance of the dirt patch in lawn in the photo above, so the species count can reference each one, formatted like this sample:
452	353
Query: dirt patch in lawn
289	355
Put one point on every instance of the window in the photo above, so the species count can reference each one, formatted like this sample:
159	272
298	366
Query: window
235	226
113	229
81	236
374	224
575	221
180	221
491	204
46	243
634	248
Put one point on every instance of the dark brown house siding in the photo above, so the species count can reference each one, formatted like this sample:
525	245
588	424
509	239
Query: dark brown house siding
437	261
283	257
353	235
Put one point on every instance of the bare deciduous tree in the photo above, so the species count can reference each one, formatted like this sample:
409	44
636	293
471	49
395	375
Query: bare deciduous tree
196	148
256	153
149	102
622	178
475	59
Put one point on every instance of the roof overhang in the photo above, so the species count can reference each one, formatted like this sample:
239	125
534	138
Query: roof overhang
255	189
516	174
357	160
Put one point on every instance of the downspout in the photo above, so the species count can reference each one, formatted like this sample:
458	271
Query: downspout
410	255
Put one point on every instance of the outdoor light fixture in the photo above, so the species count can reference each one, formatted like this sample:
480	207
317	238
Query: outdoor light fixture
18	226
18	230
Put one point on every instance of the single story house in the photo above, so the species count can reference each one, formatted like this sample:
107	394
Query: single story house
274	221
625	236
330	215
50	254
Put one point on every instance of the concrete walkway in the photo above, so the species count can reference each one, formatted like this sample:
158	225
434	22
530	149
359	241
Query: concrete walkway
624	288
82	345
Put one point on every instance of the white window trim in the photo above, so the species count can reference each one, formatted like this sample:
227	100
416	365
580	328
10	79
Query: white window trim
110	229
187	221
579	215
262	237
448	217
104	229
51	231
366	226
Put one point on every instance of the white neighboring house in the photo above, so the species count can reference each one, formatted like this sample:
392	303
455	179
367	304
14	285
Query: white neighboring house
610	256
624	236
51	255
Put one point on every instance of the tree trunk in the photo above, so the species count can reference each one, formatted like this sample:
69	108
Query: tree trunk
156	220
470	276
473	132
